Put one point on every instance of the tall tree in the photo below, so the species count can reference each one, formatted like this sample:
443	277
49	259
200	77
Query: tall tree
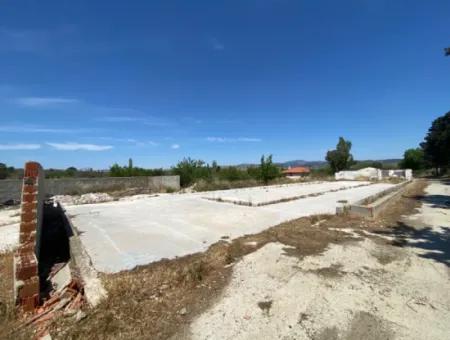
340	158
436	146
413	159
268	170
3	171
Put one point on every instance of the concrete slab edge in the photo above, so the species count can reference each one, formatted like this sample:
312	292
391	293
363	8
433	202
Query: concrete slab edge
81	262
281	200
373	205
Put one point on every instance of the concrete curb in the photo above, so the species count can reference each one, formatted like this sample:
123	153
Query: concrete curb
372	206
81	262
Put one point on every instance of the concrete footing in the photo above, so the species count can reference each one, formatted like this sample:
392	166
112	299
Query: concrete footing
81	263
372	206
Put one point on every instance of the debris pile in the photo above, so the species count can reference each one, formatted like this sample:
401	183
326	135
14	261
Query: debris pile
65	299
84	199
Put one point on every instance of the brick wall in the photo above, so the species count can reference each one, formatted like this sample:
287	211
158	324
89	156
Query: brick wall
26	285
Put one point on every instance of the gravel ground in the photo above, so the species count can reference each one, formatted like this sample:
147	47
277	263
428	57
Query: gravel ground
9	228
386	285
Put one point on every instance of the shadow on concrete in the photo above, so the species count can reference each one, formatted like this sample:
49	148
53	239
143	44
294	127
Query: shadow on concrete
436	201
434	240
55	246
436	243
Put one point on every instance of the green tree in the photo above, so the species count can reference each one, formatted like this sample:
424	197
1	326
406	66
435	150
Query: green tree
191	170
413	159
215	167
7	171
3	171
268	170
436	146
71	171
340	158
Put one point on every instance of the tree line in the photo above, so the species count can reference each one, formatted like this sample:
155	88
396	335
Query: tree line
433	152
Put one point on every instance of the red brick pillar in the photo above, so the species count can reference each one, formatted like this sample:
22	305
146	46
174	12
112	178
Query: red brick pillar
26	285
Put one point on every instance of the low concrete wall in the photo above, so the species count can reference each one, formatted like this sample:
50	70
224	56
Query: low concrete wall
11	189
372	206
80	262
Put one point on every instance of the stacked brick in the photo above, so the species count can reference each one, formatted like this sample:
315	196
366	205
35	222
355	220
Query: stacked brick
26	283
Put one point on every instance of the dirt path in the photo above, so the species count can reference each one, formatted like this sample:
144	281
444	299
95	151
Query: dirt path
383	284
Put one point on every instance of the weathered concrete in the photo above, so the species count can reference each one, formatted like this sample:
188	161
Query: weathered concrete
81	263
121	235
259	196
10	189
372	206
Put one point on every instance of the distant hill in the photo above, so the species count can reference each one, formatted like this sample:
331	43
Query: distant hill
319	164
300	162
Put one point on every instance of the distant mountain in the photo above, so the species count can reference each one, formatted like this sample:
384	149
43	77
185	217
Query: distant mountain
319	164
300	162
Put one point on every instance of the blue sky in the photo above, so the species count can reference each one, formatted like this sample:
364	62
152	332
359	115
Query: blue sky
90	83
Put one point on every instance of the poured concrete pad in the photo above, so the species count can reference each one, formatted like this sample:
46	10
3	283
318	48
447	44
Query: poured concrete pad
121	235
266	195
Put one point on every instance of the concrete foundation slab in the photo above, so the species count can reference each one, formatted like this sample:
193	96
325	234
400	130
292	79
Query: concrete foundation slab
266	195
120	235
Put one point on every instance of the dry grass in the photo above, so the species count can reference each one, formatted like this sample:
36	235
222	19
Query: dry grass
10	327
158	301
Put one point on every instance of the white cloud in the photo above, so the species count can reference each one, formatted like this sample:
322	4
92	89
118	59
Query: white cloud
131	141
118	119
122	140
138	117
216	44
147	143
233	140
39	129
78	146
20	146
44	101
22	40
175	146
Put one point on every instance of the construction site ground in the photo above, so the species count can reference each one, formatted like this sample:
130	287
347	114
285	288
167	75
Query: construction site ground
317	277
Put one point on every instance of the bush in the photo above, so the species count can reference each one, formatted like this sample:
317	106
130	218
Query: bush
131	171
191	170
413	159
268	171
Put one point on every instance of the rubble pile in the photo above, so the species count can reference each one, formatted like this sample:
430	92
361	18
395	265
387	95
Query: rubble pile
84	199
65	299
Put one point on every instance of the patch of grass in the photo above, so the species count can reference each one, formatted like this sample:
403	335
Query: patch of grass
170	190
332	272
265	306
10	326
